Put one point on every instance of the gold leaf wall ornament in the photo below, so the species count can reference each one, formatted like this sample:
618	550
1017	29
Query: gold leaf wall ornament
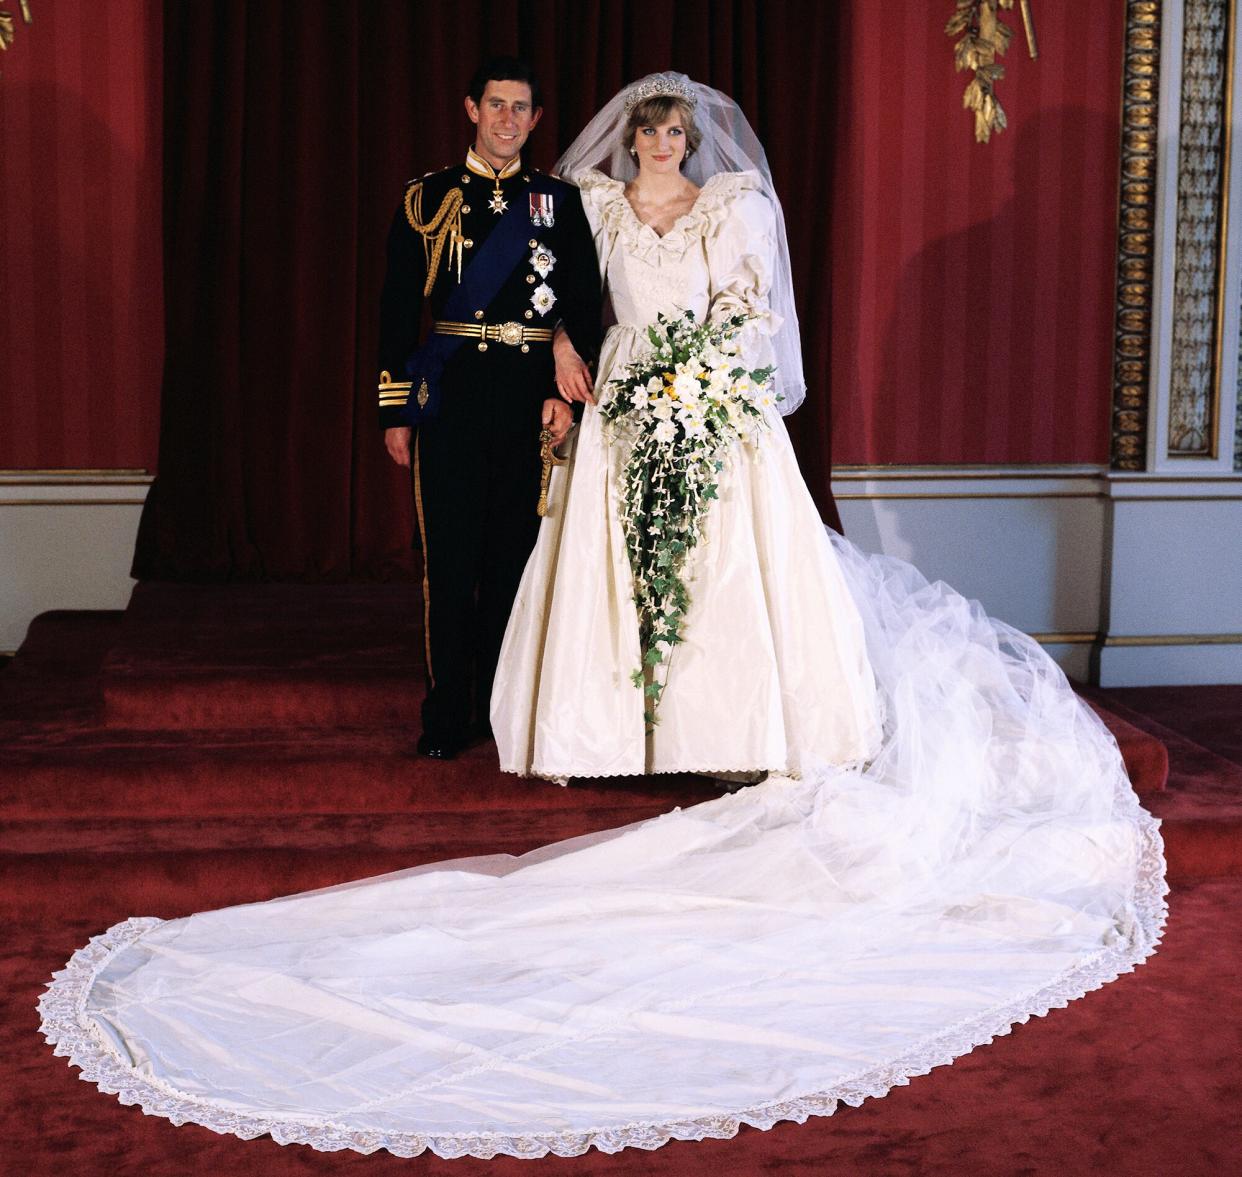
8	27
983	37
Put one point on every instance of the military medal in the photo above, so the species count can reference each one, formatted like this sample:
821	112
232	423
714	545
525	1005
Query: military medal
542	260
498	204
543	299
541	209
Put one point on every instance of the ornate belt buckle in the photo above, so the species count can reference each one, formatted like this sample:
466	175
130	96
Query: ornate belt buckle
510	333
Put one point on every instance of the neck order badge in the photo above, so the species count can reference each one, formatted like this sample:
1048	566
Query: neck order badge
477	164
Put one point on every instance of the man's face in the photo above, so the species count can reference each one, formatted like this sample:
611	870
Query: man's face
504	117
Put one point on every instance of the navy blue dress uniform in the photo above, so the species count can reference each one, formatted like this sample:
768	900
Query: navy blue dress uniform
477	415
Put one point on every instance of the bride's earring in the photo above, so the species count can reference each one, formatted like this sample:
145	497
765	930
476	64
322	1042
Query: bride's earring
634	151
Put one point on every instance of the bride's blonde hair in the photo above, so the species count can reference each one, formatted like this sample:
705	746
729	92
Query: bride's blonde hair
651	112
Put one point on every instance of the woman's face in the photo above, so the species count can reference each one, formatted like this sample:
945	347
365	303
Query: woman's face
661	149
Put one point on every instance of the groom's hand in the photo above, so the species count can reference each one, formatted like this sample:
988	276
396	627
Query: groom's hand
397	442
557	418
573	377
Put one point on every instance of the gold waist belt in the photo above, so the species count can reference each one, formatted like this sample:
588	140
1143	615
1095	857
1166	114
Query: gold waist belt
514	334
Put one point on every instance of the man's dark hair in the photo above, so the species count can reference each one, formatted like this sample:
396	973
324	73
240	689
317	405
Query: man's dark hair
505	69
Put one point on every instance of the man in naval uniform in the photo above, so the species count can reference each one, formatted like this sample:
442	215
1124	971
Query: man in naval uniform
465	408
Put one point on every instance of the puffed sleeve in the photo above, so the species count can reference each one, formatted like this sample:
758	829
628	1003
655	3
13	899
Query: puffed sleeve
600	195
741	251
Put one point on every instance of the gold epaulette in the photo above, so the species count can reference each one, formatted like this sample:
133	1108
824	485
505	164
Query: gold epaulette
444	226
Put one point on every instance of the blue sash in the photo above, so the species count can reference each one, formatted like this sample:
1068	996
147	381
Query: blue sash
480	283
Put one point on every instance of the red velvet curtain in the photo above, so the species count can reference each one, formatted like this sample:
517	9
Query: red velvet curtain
81	305
291	129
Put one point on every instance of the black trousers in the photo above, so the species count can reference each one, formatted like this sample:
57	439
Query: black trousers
476	484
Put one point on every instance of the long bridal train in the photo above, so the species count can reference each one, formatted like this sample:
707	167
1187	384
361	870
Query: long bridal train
760	957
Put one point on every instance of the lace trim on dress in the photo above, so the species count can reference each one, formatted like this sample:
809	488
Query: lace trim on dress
75	1036
617	215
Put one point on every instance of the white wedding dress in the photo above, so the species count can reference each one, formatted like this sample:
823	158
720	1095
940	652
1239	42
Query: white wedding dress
773	640
947	845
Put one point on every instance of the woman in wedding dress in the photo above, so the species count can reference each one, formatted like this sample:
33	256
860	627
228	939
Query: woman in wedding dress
772	638
946	845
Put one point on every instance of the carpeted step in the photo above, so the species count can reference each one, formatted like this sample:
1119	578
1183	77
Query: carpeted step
270	659
1146	758
53	680
1201	809
175	884
64	642
1210	715
438	833
257	656
85	773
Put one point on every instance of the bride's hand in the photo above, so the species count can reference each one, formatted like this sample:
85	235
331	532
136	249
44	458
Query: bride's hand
573	377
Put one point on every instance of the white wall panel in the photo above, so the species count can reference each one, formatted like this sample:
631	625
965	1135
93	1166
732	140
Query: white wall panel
66	542
1135	578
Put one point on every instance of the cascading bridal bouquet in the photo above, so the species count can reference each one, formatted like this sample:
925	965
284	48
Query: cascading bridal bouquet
679	408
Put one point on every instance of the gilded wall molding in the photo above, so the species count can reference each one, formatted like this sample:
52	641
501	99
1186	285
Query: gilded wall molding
1237	420
1136	234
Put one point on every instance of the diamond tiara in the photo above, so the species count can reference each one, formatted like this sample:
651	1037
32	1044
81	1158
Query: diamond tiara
660	86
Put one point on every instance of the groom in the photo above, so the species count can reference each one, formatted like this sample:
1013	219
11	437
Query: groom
501	255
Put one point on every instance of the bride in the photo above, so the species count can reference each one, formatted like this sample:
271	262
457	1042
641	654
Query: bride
946	843
772	639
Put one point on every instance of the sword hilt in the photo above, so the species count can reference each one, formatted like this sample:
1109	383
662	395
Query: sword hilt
548	457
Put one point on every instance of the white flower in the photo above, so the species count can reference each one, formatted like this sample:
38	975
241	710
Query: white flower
692	394
543	298
766	400
665	432
662	409
694	427
638	396
655	386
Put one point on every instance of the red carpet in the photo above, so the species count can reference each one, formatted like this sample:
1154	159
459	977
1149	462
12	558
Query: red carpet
226	744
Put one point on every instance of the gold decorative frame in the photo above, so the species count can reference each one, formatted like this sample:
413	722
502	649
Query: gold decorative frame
1136	216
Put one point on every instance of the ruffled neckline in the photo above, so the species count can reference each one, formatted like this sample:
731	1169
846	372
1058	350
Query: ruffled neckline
608	197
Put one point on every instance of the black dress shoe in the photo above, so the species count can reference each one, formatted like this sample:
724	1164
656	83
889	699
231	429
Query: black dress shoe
438	747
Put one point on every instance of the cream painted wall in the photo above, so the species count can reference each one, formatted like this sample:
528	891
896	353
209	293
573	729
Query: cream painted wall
1135	577
66	541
